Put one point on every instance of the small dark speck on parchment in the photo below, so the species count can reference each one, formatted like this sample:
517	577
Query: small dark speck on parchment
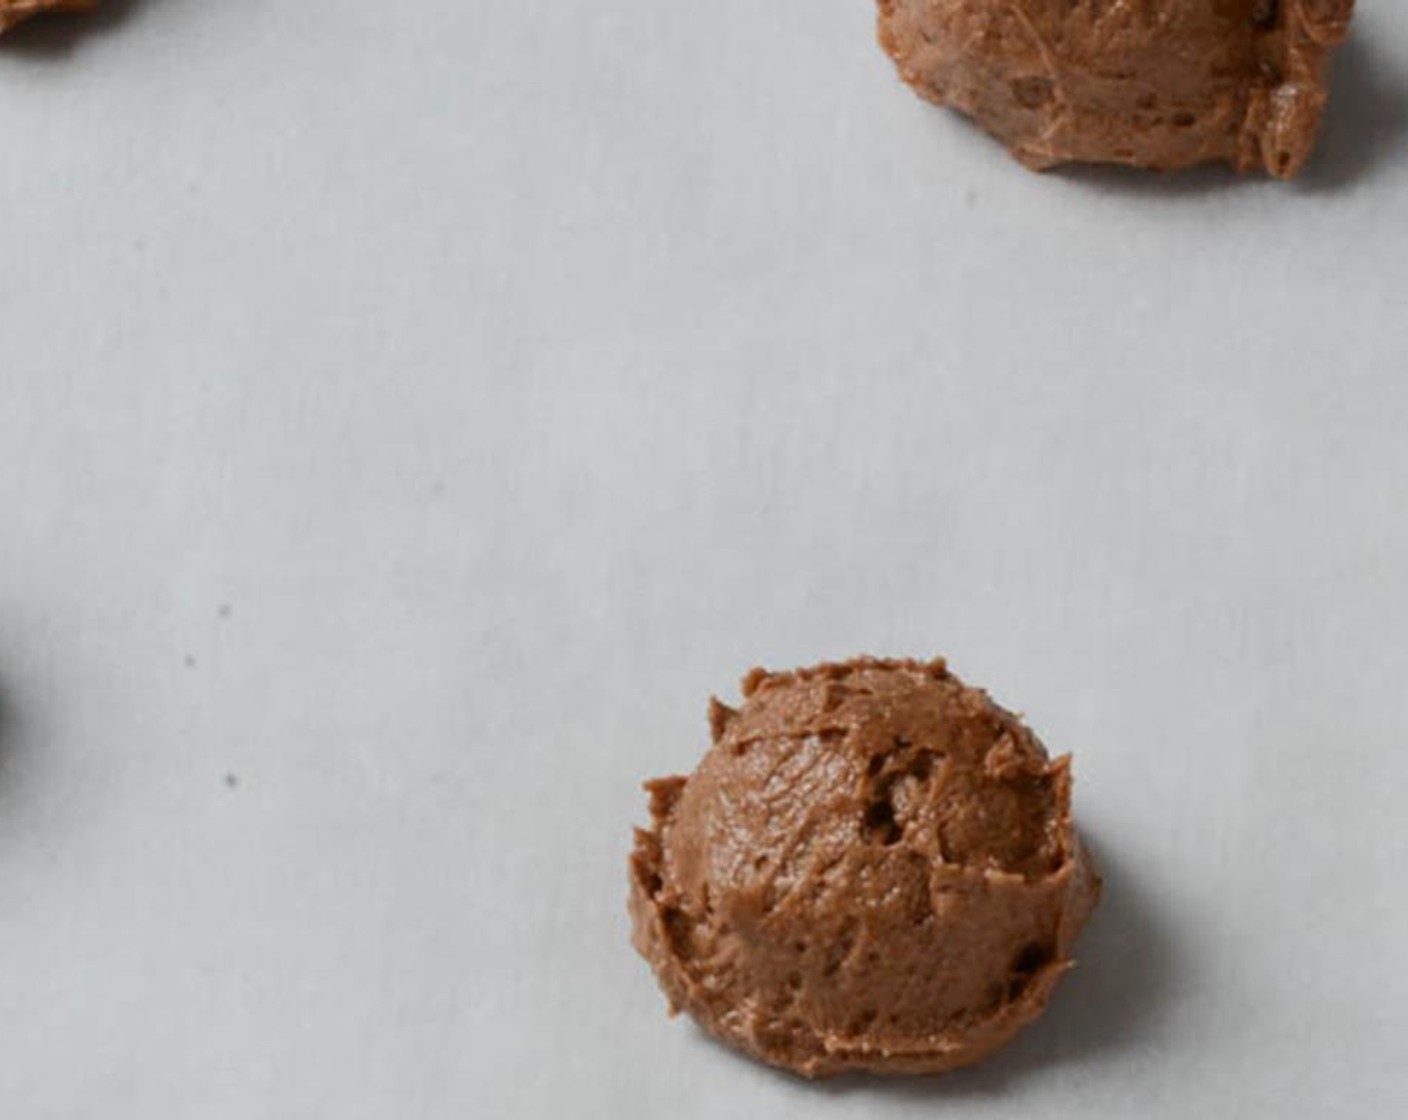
190	661
226	610
232	781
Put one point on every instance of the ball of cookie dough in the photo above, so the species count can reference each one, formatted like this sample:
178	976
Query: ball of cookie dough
1153	83
17	11
873	867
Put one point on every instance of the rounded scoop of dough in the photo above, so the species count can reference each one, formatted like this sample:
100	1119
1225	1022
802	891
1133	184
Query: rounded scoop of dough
17	11
1154	83
874	867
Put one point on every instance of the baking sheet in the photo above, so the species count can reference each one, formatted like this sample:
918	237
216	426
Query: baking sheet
411	417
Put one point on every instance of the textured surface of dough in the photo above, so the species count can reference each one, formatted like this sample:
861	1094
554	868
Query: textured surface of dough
1154	83
874	867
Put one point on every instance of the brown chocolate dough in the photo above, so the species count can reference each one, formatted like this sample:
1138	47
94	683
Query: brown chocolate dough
1154	83
873	867
16	11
